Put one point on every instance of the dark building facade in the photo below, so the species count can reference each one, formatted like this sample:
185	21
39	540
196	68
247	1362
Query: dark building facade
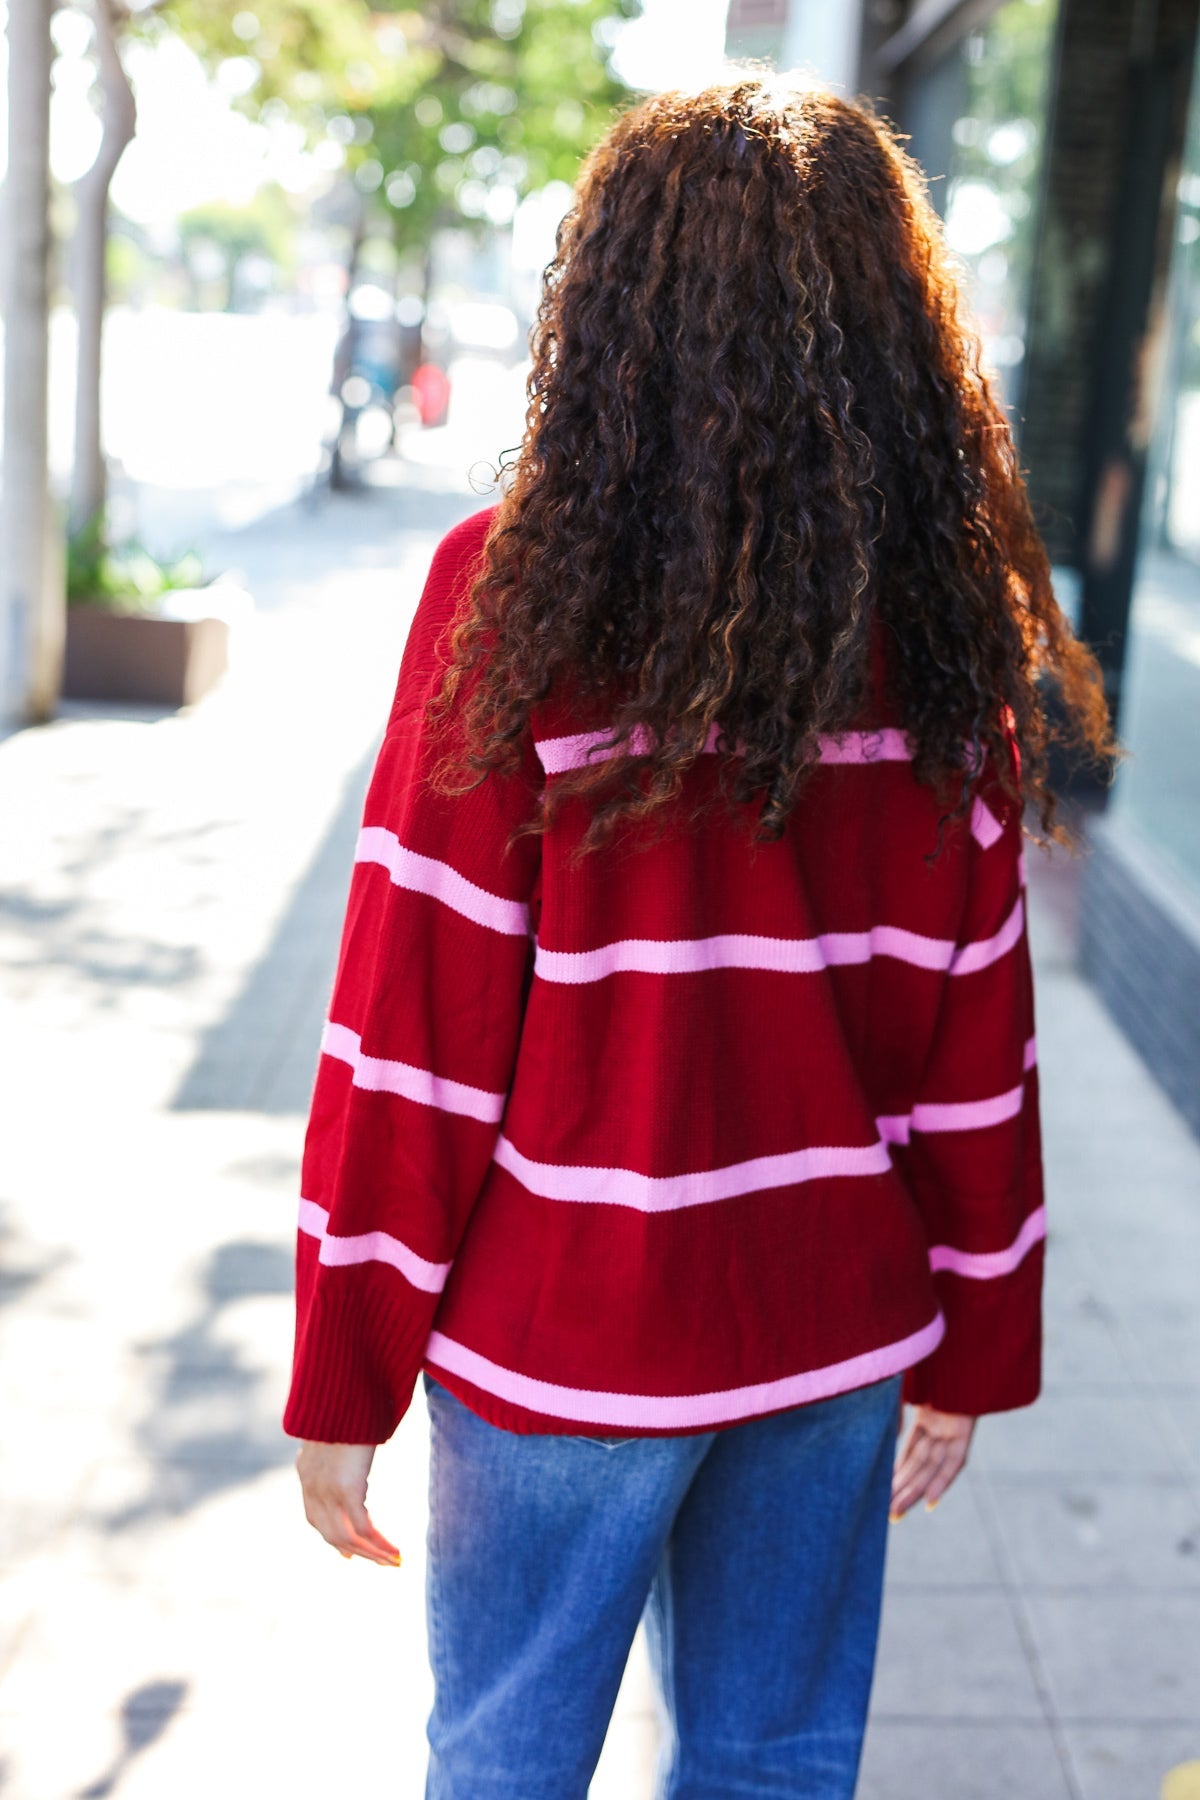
1062	142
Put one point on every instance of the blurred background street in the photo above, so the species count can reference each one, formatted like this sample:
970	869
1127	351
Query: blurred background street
307	377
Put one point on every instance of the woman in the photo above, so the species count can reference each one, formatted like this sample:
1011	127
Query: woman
678	1103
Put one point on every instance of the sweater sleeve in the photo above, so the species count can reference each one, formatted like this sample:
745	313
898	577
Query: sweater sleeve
416	1057
973	1158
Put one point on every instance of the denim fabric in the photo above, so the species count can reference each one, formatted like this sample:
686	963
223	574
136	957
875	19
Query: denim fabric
756	1553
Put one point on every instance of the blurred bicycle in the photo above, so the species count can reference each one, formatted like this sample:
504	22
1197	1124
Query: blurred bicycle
378	380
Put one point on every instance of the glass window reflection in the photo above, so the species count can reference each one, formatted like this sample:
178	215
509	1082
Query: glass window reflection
981	118
1158	793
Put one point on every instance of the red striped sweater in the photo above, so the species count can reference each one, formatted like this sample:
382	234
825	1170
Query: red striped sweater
688	1132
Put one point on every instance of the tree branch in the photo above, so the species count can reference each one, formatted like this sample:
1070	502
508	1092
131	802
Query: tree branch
118	112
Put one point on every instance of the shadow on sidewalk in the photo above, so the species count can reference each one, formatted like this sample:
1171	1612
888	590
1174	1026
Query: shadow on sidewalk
212	1423
76	933
21	1266
145	1715
286	548
262	1056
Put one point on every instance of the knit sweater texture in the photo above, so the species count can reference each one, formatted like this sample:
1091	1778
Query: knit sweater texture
684	1132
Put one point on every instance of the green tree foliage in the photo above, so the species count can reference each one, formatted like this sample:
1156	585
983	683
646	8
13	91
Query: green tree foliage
448	112
512	94
300	59
262	227
999	136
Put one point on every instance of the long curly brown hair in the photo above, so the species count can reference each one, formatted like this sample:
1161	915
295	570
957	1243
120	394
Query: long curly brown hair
759	436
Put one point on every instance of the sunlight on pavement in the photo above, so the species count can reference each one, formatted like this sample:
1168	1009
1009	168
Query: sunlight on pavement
212	419
174	885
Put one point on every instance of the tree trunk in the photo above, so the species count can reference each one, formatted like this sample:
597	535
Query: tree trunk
32	619
118	120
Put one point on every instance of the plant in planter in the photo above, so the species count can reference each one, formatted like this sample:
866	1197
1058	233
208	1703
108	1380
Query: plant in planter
140	629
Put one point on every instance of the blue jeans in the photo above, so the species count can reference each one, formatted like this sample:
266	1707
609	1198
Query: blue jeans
757	1554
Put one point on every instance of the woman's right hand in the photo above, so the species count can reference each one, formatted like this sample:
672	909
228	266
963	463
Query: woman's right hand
333	1478
931	1458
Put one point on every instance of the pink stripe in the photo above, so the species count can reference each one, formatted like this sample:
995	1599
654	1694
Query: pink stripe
371	1246
790	956
985	951
580	748
669	1412
796	956
379	1076
984	1265
1030	1054
986	828
668	1193
893	940
866	747
559	753
426	875
964	1115
969	1115
680	956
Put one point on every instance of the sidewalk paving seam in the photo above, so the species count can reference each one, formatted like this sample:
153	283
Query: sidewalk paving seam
1149	1391
1024	1624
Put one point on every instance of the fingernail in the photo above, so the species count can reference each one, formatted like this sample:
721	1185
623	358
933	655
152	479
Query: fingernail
929	1505
895	1517
399	1559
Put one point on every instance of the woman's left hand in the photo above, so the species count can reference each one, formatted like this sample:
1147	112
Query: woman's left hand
935	1452
333	1478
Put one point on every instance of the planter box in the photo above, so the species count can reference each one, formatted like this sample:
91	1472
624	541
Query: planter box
136	656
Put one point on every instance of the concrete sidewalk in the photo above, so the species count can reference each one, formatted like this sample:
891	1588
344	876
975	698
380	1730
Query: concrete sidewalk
171	1628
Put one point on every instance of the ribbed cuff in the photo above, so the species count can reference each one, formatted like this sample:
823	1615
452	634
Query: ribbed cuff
990	1359
359	1345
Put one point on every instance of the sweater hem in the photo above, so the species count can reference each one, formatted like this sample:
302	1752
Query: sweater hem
529	1406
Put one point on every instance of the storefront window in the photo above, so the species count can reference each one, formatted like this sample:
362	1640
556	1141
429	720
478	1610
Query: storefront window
1173	495
1158	793
979	115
